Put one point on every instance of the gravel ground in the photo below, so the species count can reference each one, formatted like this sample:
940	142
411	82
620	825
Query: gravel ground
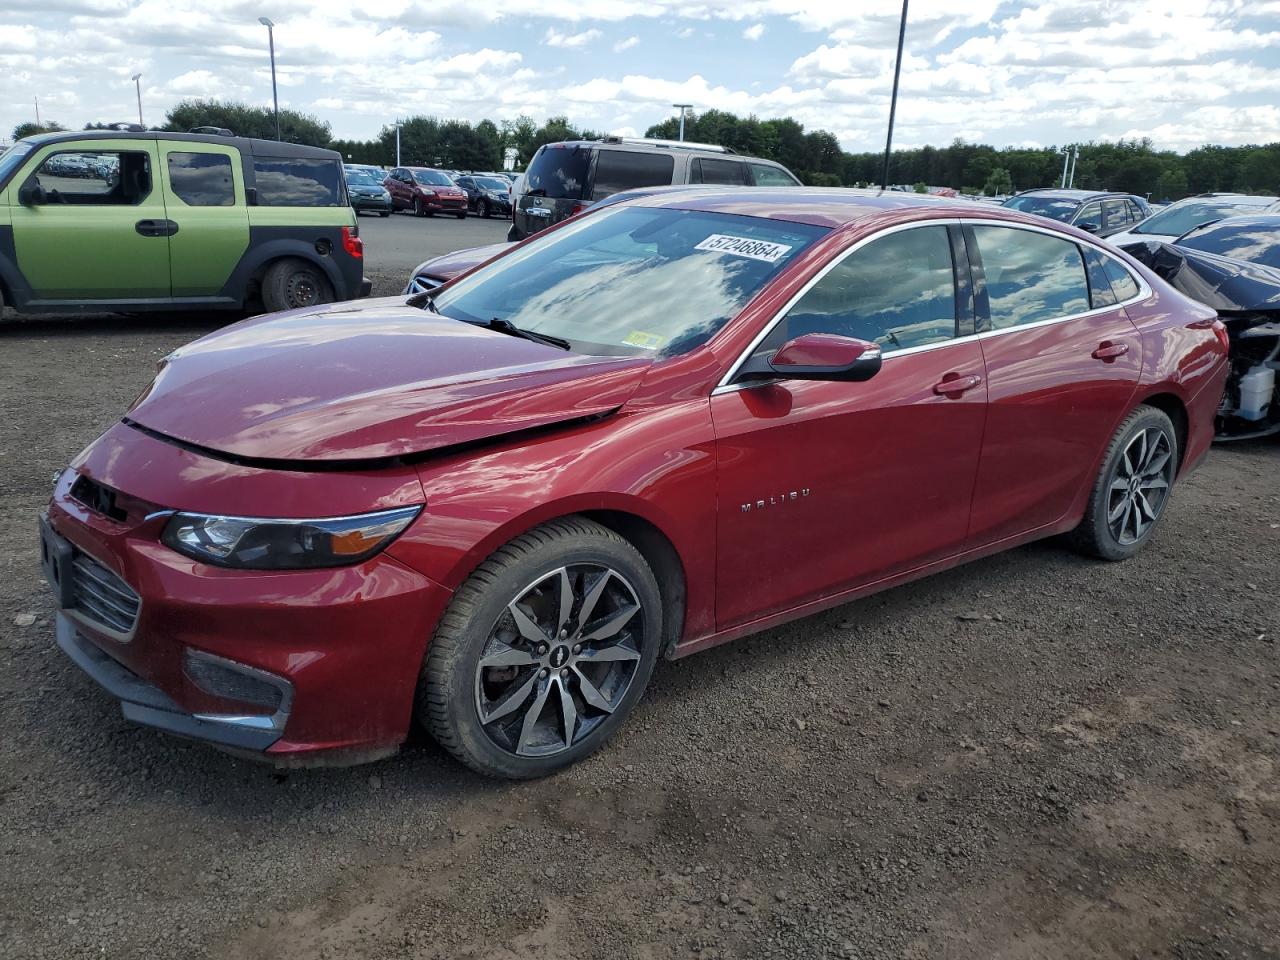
1035	756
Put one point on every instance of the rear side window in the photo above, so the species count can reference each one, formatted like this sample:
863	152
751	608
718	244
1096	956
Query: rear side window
1115	213
98	178
765	175
298	182
710	170
898	291
1122	282
618	170
559	173
202	179
1030	276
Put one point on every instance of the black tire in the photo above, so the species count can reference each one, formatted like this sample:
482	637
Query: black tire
1127	499
420	208
384	213
452	685
291	284
462	215
484	209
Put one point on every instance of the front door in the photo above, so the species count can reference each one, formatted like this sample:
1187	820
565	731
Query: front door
101	232
824	486
204	195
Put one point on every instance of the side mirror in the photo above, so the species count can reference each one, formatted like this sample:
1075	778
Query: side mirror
1089	226
819	356
31	194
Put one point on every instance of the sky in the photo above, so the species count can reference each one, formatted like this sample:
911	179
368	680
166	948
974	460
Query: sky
1007	72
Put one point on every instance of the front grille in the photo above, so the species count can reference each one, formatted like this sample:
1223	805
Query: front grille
422	283
101	596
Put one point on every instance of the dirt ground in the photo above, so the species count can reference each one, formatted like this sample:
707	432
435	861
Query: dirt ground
1035	756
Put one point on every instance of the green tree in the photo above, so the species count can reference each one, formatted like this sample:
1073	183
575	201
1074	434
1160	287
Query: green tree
921	187
998	183
1171	185
248	121
31	129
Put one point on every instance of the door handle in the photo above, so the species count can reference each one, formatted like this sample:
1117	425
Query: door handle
156	228
953	384
1109	351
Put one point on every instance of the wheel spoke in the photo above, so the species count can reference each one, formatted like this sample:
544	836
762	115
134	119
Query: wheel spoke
528	628
1155	483
1118	484
569	711
1156	464
532	715
1120	508
509	657
611	654
1144	506
611	624
511	702
566	599
591	693
593	596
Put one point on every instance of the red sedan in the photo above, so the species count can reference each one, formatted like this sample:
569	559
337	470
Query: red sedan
490	509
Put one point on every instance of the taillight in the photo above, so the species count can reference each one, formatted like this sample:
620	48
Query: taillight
352	243
1220	331
577	209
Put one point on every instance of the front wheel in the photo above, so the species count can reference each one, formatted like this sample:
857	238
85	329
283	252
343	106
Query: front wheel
484	209
543	652
292	284
1132	488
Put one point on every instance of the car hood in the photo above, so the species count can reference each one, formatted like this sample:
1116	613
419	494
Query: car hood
376	381
460	261
1226	284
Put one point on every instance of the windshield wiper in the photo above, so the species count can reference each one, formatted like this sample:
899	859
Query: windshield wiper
509	328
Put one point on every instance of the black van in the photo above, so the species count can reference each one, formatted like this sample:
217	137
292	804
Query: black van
566	178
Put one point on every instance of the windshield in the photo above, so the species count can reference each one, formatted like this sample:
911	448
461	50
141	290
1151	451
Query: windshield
1055	208
362	177
432	178
632	281
1255	239
11	158
1180	218
492	183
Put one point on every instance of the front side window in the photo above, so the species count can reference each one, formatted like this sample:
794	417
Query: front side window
618	170
1115	213
1030	276
710	170
898	291
632	281
1052	207
298	182
766	175
96	178
1090	213
201	179
1255	239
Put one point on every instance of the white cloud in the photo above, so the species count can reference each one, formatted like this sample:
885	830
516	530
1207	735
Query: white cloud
554	38
753	32
626	44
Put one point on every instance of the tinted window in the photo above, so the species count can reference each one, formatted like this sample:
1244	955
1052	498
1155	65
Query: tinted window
622	170
96	178
898	291
1122	282
558	172
707	170
1135	211
202	179
1089	213
298	183
632	281
1030	276
1054	209
767	176
1100	292
1256	239
1115	213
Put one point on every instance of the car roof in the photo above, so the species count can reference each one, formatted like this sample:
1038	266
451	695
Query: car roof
1065	194
821	206
1243	199
248	145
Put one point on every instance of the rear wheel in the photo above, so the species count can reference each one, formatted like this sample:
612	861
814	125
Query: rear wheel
484	209
543	652
292	284
461	215
1132	488
384	213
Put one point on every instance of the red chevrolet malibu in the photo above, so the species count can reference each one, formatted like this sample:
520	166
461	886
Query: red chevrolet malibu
642	433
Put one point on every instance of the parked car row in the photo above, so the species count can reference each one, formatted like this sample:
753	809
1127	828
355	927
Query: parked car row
426	191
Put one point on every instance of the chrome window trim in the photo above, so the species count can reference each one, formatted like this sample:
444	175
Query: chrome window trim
726	384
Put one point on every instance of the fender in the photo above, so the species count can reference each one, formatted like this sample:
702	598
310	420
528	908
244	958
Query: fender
272	243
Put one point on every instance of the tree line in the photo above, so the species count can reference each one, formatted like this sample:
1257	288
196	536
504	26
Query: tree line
1132	166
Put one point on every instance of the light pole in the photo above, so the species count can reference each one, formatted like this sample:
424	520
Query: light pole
682	107
37	111
271	43
893	100
397	143
137	82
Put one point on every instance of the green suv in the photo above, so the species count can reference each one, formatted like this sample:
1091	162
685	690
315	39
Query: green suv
111	221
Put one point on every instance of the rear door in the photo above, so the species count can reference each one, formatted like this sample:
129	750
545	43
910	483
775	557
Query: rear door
1062	366
102	233
1115	216
204	194
825	486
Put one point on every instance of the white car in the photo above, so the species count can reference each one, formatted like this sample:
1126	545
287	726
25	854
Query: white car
1176	219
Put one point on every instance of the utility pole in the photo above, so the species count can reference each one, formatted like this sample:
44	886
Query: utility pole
1066	158
893	100
271	43
682	107
1075	155
398	143
137	80
38	123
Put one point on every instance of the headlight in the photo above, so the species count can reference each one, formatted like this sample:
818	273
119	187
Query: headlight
250	543
386	195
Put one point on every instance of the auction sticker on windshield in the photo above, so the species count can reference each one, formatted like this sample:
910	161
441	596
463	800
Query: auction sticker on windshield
745	247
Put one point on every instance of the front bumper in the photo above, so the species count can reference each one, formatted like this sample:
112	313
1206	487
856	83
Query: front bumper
345	644
378	204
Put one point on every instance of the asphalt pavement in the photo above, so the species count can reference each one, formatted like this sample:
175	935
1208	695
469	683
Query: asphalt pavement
394	245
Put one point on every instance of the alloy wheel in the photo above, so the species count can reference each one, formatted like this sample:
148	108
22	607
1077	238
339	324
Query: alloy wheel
1139	486
559	660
